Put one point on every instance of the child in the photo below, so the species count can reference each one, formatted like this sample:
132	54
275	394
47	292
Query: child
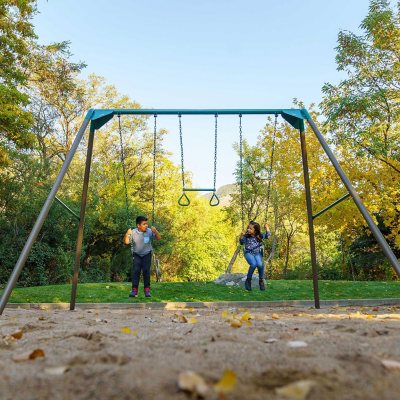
140	241
252	240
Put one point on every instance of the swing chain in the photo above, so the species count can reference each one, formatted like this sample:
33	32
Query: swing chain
271	166
181	142
215	151
123	170
154	168
241	168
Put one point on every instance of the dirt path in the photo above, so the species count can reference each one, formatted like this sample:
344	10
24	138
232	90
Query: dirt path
138	354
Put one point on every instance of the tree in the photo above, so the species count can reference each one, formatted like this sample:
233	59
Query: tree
16	39
364	108
363	116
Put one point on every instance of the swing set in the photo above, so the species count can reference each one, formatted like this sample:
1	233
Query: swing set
98	117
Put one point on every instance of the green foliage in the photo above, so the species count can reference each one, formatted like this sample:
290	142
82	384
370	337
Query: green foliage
15	42
43	102
363	116
202	243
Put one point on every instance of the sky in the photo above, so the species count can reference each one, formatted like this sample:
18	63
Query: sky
206	54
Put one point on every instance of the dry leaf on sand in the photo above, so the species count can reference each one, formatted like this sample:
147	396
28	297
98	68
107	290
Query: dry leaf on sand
193	383
180	318
246	316
391	364
236	323
56	371
296	390
30	355
17	335
296	344
227	382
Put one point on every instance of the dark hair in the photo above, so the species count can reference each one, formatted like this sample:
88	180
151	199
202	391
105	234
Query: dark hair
140	219
257	230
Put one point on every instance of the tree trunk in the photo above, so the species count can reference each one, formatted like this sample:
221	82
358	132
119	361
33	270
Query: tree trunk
273	249
286	256
156	266
233	259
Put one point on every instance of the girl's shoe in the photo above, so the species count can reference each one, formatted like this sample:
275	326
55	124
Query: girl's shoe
262	284
247	284
133	293
147	292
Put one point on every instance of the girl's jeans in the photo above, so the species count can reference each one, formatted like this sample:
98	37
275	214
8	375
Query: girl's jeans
255	261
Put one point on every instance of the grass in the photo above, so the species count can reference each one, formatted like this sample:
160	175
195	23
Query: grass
207	291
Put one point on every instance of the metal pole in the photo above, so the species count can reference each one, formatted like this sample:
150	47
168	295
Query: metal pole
376	232
198	190
310	218
79	238
331	205
67	208
41	218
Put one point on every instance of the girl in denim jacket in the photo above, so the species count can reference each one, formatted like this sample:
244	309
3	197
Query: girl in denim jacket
253	251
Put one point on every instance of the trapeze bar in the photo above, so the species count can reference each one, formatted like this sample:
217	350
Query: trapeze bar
331	205
66	207
198	190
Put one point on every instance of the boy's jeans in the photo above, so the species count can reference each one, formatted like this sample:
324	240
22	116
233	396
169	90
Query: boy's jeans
255	261
141	263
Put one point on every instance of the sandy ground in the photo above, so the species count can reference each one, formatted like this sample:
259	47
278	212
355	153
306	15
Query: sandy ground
139	354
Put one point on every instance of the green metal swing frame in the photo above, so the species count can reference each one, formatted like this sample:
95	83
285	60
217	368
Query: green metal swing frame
98	117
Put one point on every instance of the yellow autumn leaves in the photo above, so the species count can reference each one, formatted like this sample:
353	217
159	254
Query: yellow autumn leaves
193	383
237	320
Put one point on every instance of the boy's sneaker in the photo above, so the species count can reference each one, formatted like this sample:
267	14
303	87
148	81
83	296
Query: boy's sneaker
133	293
147	292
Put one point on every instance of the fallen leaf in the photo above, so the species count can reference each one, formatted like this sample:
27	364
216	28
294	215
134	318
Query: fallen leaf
192	320
246	316
295	344
181	318
297	390
125	330
56	371
30	355
193	383
391	364
235	323
224	314
17	335
227	382
275	316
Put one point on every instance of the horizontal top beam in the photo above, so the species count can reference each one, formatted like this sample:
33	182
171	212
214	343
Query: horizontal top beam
212	111
294	116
